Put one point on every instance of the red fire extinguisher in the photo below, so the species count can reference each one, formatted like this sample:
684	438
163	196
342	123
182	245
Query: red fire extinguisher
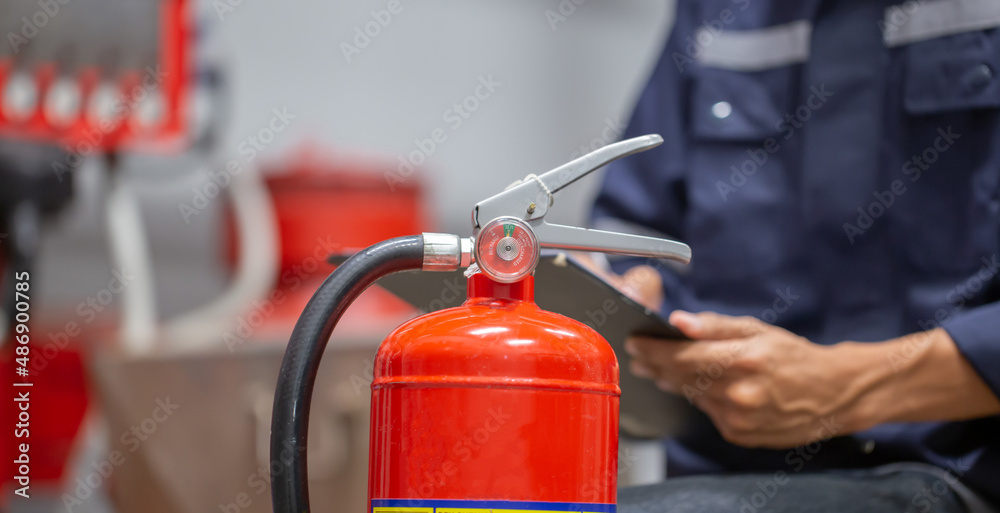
492	405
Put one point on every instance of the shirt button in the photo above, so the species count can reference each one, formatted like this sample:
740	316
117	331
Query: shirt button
868	447
722	110
978	78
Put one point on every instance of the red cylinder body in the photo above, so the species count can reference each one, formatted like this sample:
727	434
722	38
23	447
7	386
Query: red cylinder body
495	404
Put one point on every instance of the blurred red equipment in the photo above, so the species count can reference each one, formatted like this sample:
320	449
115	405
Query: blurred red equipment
52	89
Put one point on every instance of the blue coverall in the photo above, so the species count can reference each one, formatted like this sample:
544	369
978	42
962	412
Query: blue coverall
835	167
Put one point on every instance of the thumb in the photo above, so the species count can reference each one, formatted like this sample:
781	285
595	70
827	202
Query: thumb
714	326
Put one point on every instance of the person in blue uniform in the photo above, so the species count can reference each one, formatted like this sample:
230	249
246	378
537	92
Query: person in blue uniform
835	167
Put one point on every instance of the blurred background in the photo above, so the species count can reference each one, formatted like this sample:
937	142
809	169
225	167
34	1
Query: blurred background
174	173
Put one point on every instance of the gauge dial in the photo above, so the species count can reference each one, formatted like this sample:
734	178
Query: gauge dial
506	249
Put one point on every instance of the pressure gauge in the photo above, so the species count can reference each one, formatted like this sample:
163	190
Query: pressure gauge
506	249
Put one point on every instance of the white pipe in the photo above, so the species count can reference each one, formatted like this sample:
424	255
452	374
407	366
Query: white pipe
130	255
256	272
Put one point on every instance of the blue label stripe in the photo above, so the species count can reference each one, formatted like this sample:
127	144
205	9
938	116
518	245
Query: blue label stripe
522	505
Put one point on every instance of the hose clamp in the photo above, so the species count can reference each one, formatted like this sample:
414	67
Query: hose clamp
445	252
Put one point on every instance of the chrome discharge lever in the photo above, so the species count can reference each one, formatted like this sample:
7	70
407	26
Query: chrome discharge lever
510	227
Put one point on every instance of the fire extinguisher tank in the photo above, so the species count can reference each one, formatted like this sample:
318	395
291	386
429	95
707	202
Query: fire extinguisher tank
495	404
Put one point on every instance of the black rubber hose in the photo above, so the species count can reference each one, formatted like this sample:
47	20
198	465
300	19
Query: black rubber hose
290	418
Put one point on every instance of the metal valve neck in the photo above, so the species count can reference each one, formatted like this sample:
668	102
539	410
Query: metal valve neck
481	287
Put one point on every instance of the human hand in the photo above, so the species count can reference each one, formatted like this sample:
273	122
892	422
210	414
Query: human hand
761	385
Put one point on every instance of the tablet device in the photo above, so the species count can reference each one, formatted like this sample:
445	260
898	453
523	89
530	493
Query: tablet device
565	286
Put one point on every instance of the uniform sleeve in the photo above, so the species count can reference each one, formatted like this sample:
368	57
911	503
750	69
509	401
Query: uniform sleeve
645	193
976	332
